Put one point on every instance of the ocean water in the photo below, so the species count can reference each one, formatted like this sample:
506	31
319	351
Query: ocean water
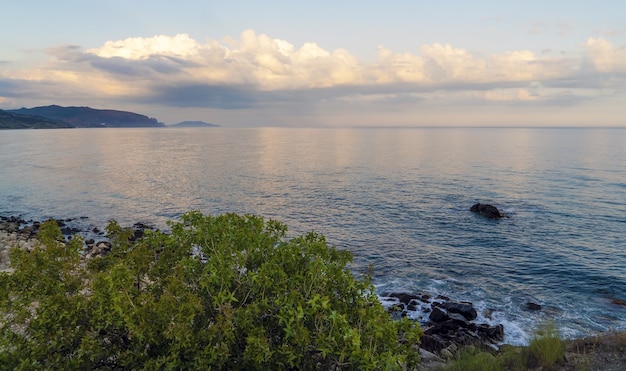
398	199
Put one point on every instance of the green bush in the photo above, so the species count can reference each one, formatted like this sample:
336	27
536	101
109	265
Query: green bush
225	292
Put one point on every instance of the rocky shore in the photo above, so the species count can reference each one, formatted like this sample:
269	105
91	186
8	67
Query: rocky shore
15	231
448	325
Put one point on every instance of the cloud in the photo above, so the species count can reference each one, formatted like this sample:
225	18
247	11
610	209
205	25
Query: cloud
605	57
138	48
259	71
274	64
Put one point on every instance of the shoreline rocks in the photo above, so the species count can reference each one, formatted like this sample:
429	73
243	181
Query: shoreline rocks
448	325
15	231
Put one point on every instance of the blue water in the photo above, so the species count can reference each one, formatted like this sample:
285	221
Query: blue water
397	198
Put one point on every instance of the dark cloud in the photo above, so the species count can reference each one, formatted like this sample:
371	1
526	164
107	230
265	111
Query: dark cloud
6	87
14	88
119	66
74	58
141	68
68	53
198	95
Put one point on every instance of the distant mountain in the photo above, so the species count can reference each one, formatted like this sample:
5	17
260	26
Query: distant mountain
10	120
194	124
86	117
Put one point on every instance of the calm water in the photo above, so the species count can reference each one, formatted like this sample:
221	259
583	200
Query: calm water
397	198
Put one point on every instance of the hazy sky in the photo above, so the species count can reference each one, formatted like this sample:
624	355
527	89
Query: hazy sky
322	63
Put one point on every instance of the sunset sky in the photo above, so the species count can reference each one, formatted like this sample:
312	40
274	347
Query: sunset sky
323	63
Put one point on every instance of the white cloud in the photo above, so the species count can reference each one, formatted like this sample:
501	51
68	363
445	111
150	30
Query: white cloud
135	48
605	57
273	64
445	63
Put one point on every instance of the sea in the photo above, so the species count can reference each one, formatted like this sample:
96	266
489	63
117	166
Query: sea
398	199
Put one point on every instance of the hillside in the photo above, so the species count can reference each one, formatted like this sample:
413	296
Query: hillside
194	124
10	120
86	117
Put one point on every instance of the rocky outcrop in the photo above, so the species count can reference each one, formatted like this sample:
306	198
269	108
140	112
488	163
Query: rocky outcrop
486	210
14	233
447	324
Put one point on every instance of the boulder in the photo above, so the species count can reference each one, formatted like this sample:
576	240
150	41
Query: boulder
438	315
465	309
486	210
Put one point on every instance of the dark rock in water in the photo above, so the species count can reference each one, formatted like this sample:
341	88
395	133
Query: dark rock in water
488	211
533	306
494	333
619	302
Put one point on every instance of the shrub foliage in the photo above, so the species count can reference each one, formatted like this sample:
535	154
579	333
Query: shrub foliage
217	292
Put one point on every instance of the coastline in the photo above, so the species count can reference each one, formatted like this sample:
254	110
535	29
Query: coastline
606	351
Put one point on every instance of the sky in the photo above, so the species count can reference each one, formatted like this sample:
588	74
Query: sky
323	63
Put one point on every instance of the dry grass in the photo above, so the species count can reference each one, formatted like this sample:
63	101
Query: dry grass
606	352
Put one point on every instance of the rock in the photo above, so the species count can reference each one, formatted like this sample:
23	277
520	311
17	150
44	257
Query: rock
433	343
438	315
139	229
459	319
29	231
493	333
69	231
403	297
465	309
533	306
429	360
619	302
445	353
9	227
488	313
104	245
428	356
488	211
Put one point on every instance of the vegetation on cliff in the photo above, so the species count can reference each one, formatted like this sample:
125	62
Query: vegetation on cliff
10	120
86	117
